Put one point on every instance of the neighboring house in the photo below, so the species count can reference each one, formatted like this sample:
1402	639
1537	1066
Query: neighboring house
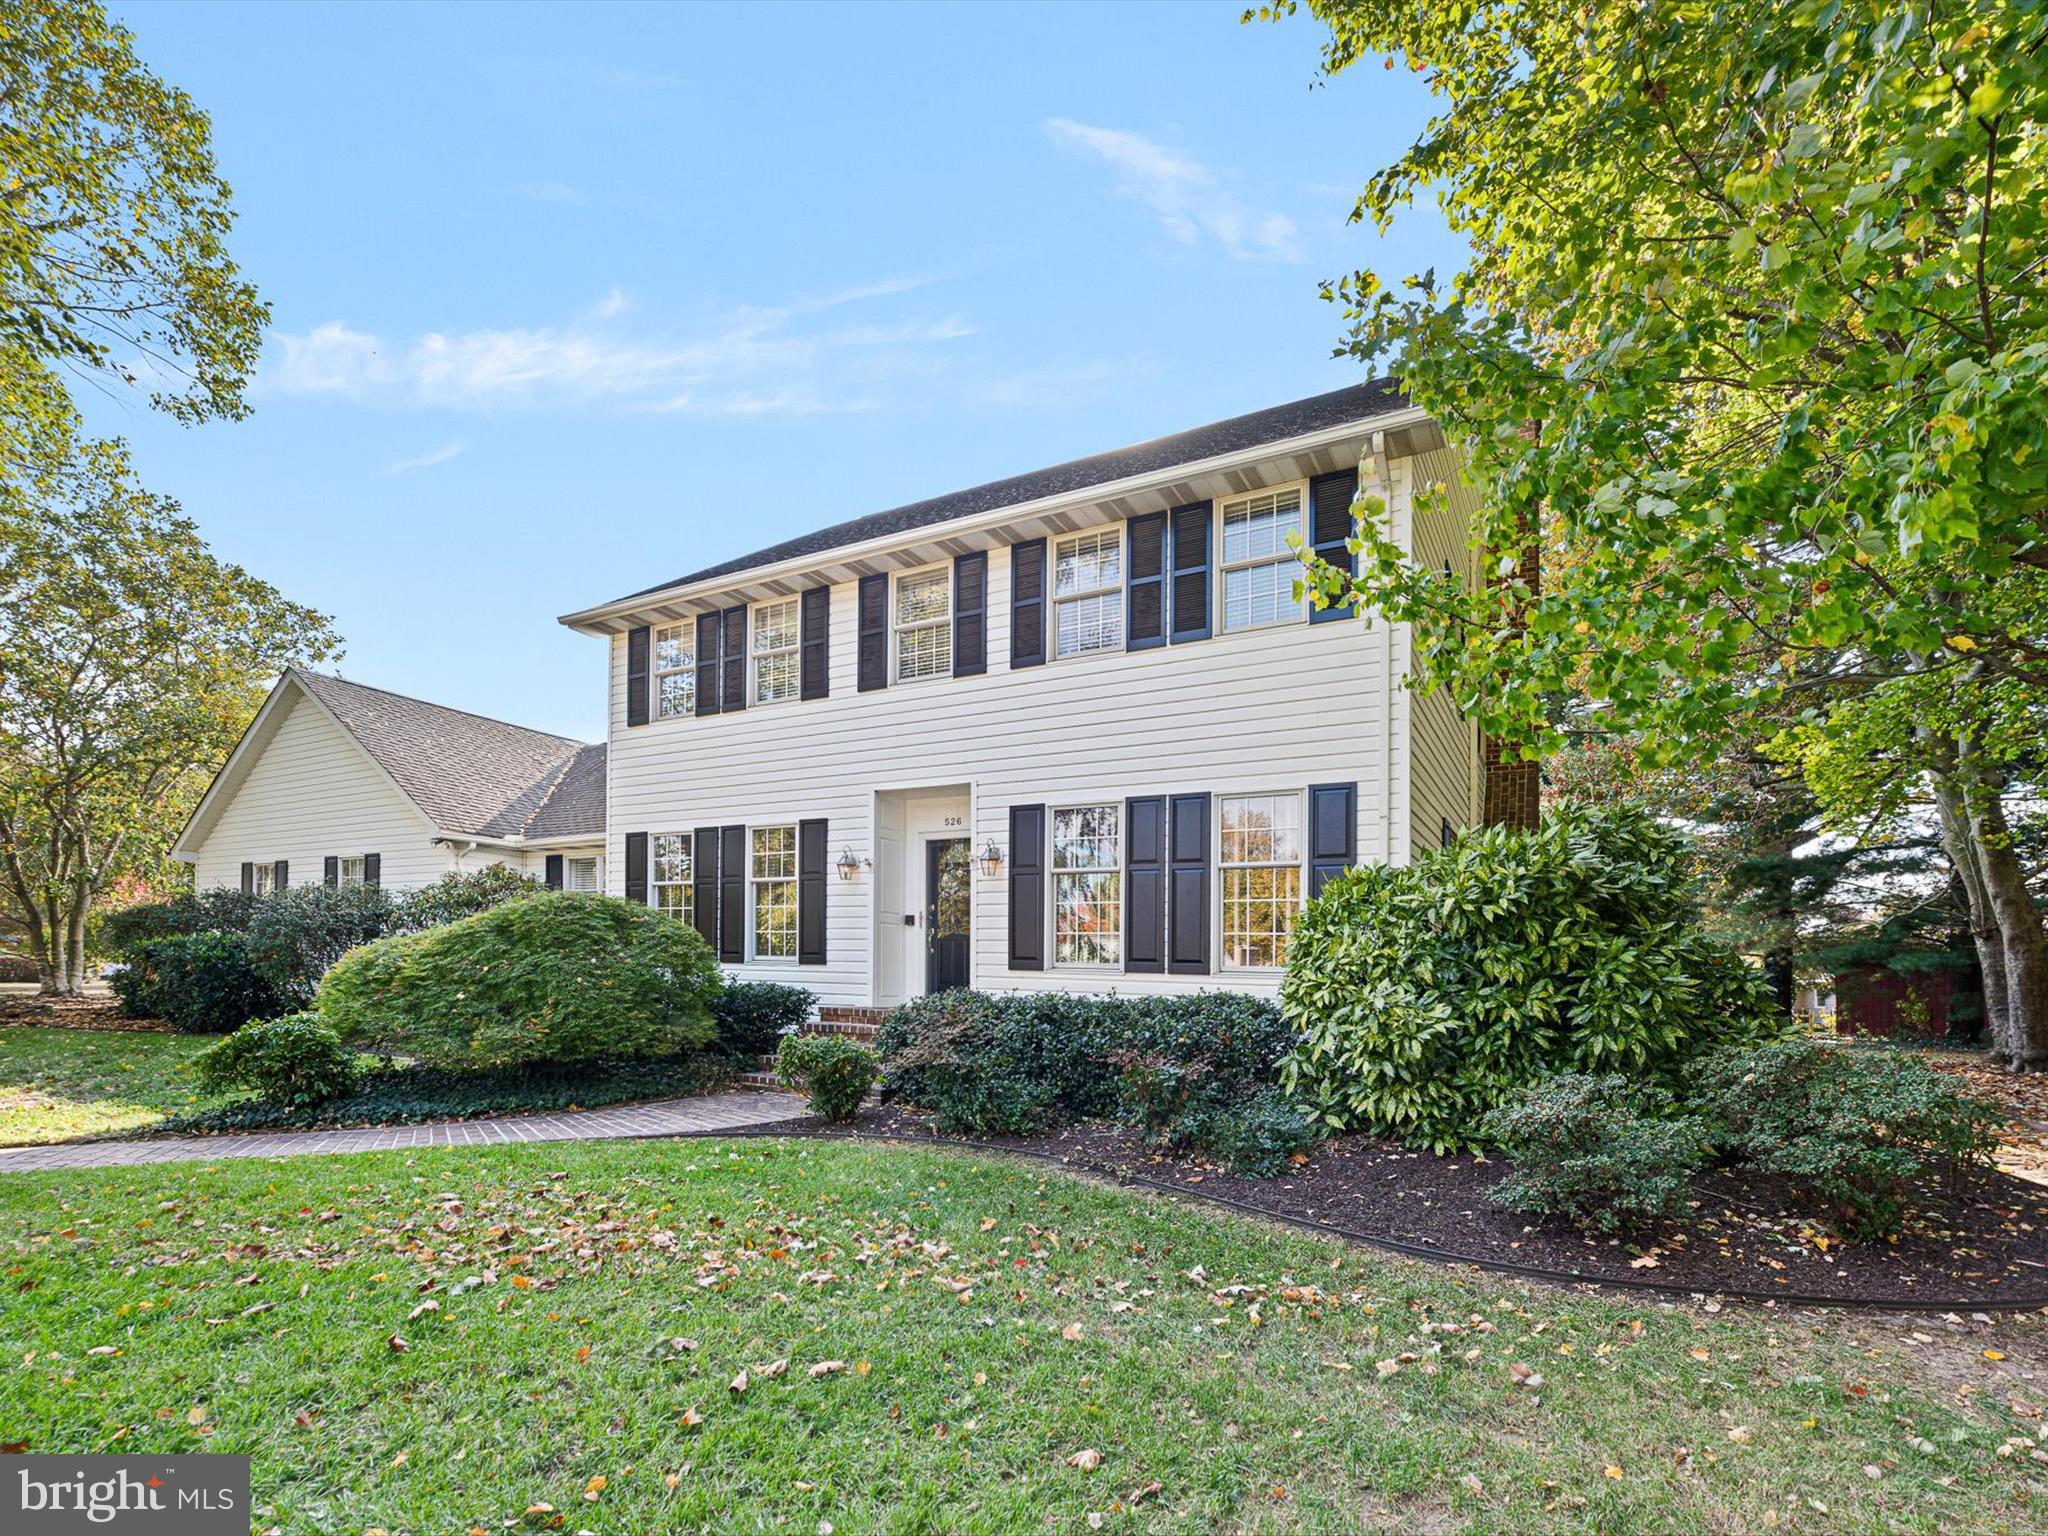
338	783
1068	730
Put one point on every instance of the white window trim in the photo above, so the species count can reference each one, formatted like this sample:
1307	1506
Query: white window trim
1122	872
1216	933
755	882
263	879
569	862
654	886
1301	614
755	655
656	672
897	627
1123	567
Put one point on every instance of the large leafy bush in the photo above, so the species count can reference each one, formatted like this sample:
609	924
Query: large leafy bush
752	1016
198	983
215	911
831	1071
1860	1128
1600	1150
297	934
462	894
1424	996
546	977
293	1061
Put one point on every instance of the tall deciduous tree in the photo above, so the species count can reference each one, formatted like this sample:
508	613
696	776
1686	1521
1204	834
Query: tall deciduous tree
1755	329
113	229
133	659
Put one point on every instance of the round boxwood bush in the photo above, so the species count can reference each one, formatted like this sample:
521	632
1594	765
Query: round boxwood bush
294	1061
1596	1149
198	983
753	1016
546	977
1426	995
831	1071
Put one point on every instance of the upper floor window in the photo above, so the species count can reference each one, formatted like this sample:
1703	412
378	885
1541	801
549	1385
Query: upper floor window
775	662
350	871
771	878
1087	589
1087	885
1258	566
1261	877
675	670
924	624
670	870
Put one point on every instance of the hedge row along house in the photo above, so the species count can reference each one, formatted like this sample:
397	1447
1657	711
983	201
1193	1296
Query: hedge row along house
1071	729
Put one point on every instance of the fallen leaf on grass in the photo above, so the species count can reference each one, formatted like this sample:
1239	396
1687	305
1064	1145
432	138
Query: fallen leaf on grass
739	1382
768	1372
422	1310
1087	1460
692	1418
827	1368
397	1345
1072	1332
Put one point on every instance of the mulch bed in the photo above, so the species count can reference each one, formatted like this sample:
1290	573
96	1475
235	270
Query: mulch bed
95	1011
1987	1247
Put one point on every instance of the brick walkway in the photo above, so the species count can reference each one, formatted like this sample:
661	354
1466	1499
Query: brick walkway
668	1117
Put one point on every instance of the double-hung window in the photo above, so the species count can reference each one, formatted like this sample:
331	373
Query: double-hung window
580	875
675	670
349	871
1087	885
1259	568
1261	870
771	879
670	872
264	881
924	624
1088	593
775	664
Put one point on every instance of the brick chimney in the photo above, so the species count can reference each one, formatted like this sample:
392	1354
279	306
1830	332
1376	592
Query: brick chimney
1514	789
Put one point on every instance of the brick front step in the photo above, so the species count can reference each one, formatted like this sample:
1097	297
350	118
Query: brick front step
835	1013
757	1082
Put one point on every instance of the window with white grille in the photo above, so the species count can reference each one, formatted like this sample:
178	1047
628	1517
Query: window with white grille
1259	567
1088	593
924	624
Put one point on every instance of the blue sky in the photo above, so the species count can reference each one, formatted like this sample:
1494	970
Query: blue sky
570	300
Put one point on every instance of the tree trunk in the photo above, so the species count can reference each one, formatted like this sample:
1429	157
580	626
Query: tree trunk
2005	920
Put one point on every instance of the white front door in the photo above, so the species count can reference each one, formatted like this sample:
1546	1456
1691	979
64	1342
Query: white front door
908	825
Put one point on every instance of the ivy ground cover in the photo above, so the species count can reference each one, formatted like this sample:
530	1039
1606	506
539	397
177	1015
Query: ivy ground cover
814	1336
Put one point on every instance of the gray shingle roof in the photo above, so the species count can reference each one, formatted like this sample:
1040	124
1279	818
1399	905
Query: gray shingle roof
469	774
1356	402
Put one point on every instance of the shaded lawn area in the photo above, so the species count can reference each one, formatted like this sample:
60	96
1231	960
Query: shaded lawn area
442	1341
59	1083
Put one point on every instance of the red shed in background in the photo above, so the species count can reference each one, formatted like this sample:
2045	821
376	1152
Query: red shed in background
1875	1000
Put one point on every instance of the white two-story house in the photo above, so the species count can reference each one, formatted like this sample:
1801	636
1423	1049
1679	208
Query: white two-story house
1072	729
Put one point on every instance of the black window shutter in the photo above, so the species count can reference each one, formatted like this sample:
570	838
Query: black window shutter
733	693
970	613
810	893
1192	526
874	632
330	871
1187	943
1145	582
281	876
554	875
704	882
373	869
1027	887
638	671
248	879
1027	603
816	637
636	867
1145	884
1332	833
1329	499
710	636
732	894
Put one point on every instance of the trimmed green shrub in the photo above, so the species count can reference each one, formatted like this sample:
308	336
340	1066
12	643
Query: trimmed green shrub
292	1061
1427	995
297	934
198	983
1258	1134
213	911
1004	1064
752	1015
547	977
461	894
1858	1128
1597	1149
831	1071
1198	1073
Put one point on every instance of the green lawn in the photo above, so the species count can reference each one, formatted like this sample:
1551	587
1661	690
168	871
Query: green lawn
60	1083
440	1342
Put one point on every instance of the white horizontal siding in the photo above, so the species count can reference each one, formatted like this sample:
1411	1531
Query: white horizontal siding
311	793
1446	743
1275	709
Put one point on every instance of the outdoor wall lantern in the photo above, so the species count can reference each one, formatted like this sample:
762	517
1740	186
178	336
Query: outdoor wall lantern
849	866
991	859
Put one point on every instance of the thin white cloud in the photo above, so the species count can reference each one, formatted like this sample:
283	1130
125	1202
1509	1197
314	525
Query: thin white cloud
427	460
1189	199
753	361
611	306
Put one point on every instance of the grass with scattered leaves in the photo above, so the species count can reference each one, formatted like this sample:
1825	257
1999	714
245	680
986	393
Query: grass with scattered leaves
59	1083
815	1336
